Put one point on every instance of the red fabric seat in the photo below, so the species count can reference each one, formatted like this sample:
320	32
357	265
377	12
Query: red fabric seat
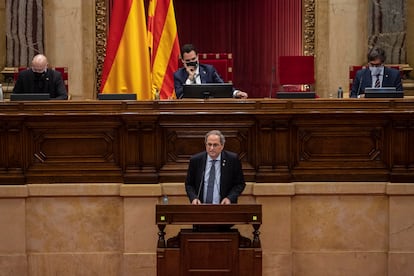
296	73
223	62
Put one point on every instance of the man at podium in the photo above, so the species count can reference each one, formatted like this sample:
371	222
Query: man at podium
214	176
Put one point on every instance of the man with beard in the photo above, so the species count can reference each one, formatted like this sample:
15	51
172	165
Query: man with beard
214	182
40	79
376	75
195	73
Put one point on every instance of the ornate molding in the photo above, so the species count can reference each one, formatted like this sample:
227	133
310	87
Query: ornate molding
309	17
100	38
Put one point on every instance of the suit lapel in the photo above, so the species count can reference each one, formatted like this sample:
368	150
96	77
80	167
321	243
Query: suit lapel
203	74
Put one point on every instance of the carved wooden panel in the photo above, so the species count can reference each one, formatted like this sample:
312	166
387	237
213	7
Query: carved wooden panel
151	142
73	148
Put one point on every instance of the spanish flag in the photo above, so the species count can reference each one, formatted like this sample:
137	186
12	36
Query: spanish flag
164	47
127	65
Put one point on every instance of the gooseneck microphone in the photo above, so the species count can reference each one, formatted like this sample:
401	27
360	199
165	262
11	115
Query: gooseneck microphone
271	81
201	183
359	85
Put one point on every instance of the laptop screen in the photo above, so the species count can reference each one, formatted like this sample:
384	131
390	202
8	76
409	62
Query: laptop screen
383	92
29	97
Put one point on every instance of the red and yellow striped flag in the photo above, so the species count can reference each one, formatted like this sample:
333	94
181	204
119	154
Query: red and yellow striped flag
127	65
164	46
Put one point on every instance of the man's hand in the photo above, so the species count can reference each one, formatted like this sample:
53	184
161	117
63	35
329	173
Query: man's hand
191	72
241	94
196	201
225	201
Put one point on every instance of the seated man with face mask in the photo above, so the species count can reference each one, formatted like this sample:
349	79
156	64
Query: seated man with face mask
40	79
196	73
376	75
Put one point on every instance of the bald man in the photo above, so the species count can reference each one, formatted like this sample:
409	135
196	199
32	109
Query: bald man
40	79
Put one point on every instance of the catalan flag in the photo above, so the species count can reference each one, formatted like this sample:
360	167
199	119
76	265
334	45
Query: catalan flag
127	64
164	47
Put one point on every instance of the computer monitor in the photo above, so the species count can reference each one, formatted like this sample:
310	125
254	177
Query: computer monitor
29	97
207	90
383	92
295	95
118	97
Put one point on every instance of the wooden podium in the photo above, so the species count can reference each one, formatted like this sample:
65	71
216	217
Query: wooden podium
211	247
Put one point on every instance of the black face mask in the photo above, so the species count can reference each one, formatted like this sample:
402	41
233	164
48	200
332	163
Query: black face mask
38	75
192	63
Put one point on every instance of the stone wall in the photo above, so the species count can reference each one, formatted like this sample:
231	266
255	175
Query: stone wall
109	229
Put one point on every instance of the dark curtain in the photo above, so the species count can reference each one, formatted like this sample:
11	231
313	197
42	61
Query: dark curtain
256	32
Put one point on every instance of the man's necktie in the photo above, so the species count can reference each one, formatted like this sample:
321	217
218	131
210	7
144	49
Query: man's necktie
377	81
210	185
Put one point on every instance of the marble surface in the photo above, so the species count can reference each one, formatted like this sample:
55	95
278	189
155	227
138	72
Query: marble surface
308	228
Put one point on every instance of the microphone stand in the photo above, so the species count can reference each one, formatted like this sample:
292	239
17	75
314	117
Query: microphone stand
271	81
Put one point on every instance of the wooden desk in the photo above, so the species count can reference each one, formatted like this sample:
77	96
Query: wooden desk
152	141
211	252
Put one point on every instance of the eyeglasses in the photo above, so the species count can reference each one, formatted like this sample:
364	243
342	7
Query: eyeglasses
209	145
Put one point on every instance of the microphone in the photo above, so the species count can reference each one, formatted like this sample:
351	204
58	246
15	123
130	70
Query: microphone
271	81
359	86
201	183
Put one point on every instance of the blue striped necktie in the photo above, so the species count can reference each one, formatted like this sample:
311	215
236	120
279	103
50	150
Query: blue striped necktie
210	185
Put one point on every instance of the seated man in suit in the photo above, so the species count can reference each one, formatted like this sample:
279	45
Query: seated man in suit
40	79
376	75
194	72
214	176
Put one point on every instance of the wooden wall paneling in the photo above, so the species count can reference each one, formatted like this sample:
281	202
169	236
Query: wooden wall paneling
11	151
141	149
273	148
151	142
185	137
401	148
72	149
337	145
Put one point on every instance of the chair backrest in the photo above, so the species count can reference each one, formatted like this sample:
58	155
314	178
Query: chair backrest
223	62
62	70
295	72
353	69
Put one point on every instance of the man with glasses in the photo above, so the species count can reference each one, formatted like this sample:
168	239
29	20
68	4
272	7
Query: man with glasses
193	72
214	176
376	75
41	80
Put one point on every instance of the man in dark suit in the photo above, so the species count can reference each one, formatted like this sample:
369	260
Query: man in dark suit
40	79
376	75
193	72
225	184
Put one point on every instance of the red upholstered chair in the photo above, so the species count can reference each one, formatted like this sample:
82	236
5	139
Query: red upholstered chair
353	69
296	73
62	70
223	62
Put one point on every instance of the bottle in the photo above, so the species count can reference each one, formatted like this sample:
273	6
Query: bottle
164	199
1	92
340	92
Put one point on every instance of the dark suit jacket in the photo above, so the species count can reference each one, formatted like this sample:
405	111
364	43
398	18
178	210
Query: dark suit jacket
231	180
208	74
363	79
52	83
